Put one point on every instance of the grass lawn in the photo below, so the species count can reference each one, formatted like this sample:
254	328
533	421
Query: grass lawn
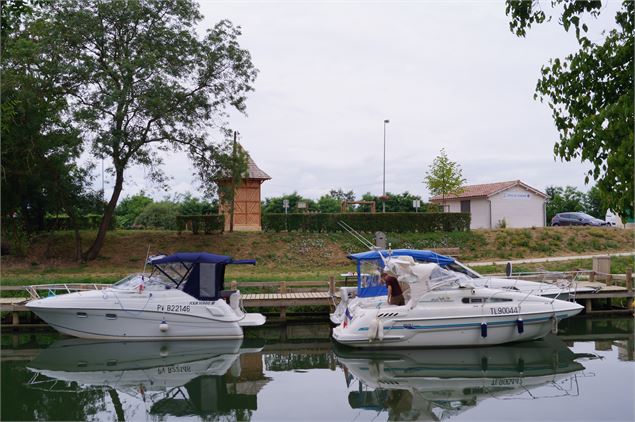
303	256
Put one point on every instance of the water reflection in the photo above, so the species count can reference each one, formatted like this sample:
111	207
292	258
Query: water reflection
436	384
294	373
169	378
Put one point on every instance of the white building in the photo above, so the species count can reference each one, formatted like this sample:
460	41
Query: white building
492	205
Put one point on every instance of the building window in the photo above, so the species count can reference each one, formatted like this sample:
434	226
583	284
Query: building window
465	206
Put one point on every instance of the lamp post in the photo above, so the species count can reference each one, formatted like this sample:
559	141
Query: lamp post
383	194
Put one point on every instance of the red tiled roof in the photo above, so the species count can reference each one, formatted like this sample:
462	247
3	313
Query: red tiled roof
486	190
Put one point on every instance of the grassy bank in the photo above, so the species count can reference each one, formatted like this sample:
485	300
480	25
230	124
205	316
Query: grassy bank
300	256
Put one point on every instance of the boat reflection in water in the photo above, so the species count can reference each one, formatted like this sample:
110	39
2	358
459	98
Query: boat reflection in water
168	378
435	384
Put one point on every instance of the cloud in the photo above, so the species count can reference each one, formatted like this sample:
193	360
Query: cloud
447	75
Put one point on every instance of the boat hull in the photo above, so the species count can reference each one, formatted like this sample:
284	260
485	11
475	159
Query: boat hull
132	325
451	332
157	315
457	317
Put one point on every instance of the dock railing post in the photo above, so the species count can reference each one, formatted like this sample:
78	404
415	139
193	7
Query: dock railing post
331	285
283	309
592	276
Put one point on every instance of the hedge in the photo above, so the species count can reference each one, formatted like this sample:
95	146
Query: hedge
63	222
209	223
396	222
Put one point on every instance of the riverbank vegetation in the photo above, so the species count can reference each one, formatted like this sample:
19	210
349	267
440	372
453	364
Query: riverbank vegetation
303	256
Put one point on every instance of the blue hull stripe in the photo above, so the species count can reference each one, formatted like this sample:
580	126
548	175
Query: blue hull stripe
466	325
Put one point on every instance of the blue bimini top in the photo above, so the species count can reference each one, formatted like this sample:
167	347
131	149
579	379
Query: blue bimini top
369	285
417	255
202	274
197	258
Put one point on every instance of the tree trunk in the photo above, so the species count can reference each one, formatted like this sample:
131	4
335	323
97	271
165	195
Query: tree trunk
231	214
78	238
95	248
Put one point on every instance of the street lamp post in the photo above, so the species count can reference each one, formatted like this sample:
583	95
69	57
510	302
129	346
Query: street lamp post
383	194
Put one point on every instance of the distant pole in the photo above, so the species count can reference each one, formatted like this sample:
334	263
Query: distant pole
102	180
383	192
233	185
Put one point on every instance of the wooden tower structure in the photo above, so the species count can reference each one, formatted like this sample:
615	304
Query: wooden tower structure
246	200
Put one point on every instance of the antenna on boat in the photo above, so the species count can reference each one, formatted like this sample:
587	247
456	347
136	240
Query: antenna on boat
361	239
146	261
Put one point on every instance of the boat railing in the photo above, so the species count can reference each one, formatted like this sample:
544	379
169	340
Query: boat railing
53	289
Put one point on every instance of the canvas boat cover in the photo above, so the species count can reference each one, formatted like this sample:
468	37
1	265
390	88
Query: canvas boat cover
369	284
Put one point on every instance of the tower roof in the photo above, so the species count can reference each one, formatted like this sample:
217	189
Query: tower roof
254	172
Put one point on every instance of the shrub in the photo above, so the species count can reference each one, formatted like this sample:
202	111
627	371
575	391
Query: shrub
158	215
130	208
208	223
63	222
388	222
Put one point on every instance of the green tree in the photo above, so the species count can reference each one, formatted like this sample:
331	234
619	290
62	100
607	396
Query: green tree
340	195
568	199
145	82
233	168
275	205
329	204
158	215
590	94
190	205
444	177
129	209
40	149
595	204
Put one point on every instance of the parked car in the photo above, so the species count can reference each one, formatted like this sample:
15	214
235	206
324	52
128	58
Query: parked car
576	219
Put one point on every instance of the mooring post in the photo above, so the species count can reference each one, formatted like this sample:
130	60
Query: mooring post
629	287
609	279
15	319
588	307
283	309
331	285
592	276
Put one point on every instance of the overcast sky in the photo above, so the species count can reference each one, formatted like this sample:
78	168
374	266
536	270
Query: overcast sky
447	74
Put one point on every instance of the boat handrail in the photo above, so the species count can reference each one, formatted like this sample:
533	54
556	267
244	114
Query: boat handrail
32	290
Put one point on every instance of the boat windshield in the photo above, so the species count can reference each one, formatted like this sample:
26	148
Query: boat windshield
154	282
460	268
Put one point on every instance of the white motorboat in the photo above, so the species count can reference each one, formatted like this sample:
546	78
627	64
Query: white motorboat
370	290
437	384
443	309
182	298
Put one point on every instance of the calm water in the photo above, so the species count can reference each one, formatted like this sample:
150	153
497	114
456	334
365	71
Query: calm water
586	372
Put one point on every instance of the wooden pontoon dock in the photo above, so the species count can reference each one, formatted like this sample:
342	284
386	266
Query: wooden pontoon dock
322	295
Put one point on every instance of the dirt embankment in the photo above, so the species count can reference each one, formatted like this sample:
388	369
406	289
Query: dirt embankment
305	253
